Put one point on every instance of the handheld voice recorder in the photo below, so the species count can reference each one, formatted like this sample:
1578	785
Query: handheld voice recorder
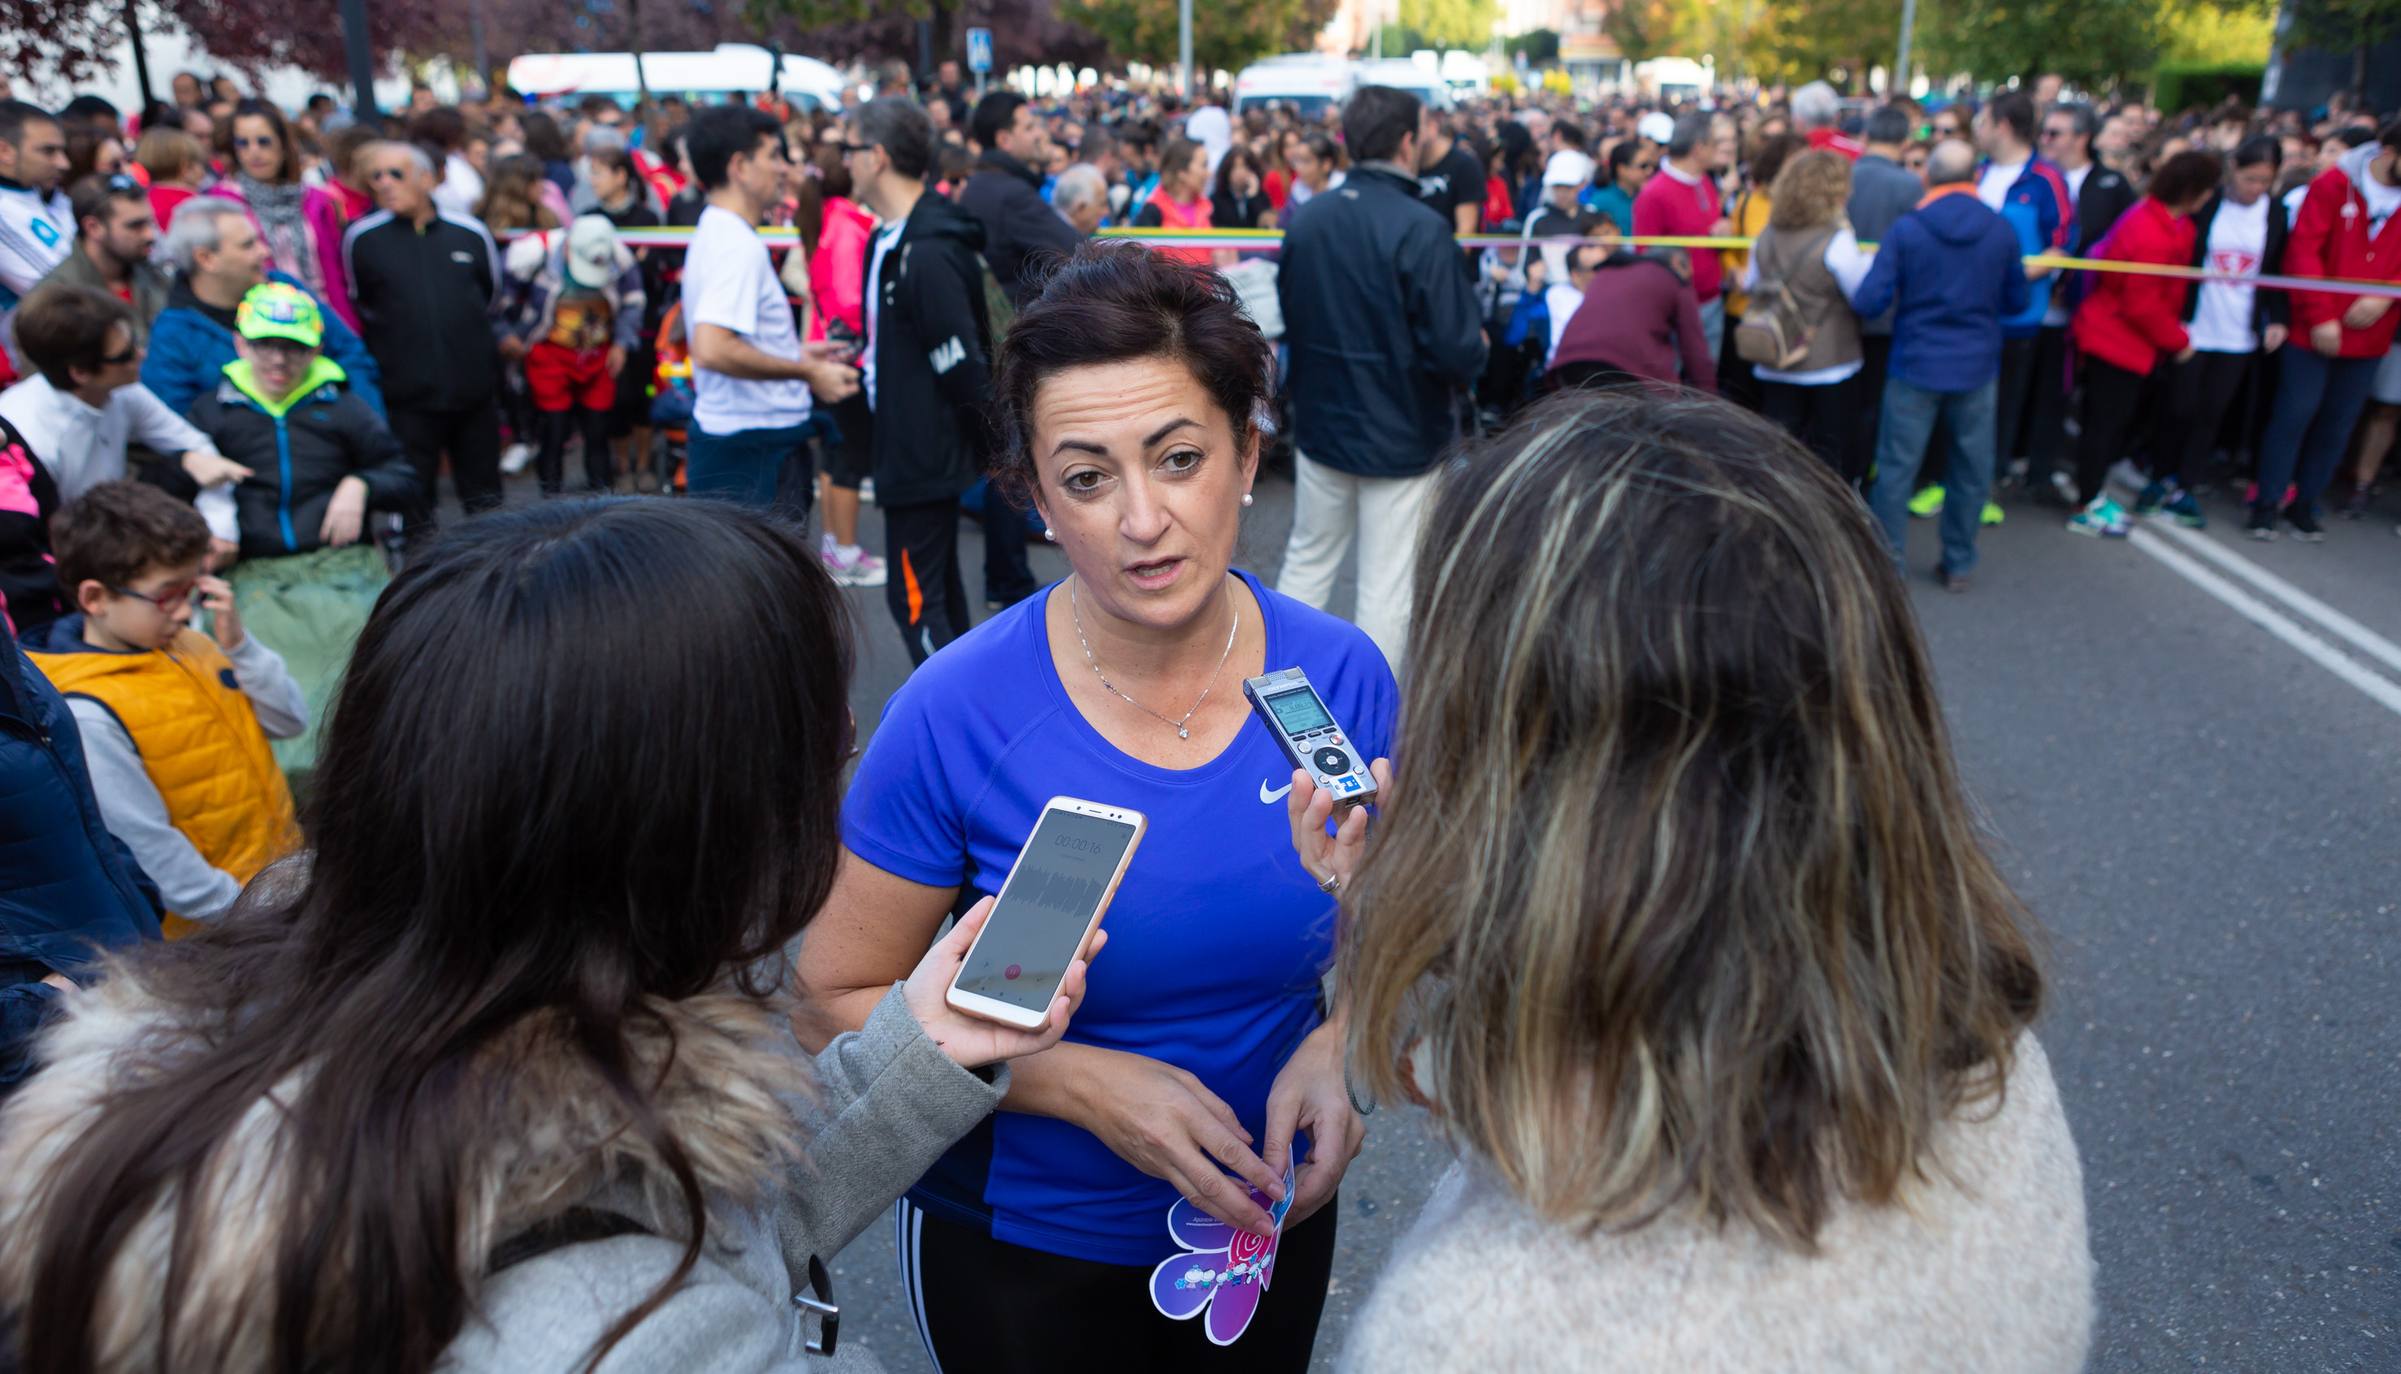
1311	737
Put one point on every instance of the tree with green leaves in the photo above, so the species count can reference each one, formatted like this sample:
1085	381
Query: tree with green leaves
1450	23
2353	26
1225	39
1645	29
2093	43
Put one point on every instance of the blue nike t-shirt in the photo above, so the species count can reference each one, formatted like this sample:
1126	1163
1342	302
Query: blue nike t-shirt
1217	938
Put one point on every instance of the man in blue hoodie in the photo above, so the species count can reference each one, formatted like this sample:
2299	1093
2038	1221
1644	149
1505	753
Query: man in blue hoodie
1950	271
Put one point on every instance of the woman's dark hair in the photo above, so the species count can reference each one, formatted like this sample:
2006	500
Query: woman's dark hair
1119	302
2259	148
2186	177
1622	155
1239	155
252	108
442	129
832	174
1177	155
84	142
587	758
1768	159
543	137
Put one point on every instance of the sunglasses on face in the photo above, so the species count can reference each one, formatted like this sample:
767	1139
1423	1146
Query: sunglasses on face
166	599
122	184
121	357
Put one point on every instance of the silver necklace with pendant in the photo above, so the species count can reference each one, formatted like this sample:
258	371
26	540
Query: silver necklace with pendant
1181	727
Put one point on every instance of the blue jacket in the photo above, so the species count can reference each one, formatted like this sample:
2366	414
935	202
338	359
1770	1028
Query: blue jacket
2043	216
190	345
68	888
1950	272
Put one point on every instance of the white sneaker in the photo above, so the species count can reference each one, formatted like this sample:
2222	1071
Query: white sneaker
2124	473
854	567
867	490
2064	487
516	458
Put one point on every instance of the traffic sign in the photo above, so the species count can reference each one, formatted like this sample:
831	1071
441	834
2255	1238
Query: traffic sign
979	50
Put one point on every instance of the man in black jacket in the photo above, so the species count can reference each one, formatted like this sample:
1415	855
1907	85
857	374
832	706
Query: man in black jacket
929	349
1022	236
1383	330
425	281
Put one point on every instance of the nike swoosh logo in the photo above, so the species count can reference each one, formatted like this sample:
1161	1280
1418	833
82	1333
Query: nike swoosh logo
1267	798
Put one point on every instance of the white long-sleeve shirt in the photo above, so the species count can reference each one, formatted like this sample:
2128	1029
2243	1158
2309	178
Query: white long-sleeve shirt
84	445
35	233
134	811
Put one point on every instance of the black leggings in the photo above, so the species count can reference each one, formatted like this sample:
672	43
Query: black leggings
550	462
926	591
2111	397
1821	417
2201	390
995	1308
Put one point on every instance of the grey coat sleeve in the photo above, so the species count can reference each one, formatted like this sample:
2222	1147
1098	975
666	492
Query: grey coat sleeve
889	1103
137	814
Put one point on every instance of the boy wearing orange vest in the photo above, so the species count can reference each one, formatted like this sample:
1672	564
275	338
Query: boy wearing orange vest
175	725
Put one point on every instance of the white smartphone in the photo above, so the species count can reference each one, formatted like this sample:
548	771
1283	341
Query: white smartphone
1055	894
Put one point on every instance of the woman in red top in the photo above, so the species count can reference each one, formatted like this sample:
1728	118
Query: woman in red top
2130	320
1182	200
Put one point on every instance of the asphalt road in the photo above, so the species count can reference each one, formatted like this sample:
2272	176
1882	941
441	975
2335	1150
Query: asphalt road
2206	819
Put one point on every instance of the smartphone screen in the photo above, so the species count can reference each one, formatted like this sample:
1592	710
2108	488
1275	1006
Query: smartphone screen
1035	929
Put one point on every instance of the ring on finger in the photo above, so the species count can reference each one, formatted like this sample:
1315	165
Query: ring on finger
1330	883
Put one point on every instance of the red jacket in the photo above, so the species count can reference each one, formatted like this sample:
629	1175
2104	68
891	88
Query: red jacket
1670	207
2130	318
2330	239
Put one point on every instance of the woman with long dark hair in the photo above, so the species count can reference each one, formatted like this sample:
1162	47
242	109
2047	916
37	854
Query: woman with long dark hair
300	224
495	1076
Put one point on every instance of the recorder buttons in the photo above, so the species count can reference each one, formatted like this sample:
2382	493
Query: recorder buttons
1332	762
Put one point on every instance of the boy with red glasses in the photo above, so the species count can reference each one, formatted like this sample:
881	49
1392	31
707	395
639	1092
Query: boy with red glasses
174	722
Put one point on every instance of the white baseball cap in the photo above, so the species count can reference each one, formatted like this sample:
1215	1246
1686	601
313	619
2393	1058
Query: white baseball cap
1567	167
1657	126
592	253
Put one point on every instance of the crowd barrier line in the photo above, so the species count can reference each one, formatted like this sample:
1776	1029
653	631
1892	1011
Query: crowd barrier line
1269	240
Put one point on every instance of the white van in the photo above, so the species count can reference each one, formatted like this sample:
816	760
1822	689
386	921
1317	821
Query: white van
729	69
1420	79
1308	83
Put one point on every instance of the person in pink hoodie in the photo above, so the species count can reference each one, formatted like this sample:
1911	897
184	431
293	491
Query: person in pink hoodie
301	224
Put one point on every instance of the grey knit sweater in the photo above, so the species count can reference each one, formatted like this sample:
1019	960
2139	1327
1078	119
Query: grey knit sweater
1984	1268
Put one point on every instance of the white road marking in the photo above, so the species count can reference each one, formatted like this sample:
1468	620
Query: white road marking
2275	622
2362	638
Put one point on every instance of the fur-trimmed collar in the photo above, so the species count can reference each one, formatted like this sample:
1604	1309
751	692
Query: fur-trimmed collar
553	1143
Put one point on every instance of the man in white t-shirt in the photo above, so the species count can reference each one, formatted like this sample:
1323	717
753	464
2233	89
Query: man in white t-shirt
37	227
753	379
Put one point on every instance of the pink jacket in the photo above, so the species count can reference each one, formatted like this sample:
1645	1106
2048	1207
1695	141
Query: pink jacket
322	213
838	270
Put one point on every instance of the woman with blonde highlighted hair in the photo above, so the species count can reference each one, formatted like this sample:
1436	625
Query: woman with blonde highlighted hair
1803	270
1679	920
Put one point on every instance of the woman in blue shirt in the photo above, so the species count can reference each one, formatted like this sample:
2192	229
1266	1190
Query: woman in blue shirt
1133	393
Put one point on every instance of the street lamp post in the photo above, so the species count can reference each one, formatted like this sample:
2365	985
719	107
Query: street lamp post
1183	45
362	58
1900	70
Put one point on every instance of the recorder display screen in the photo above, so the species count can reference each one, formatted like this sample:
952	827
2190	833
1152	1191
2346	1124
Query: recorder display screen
1034	930
1299	712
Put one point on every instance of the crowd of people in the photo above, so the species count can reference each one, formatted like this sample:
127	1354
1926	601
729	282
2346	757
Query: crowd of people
529	987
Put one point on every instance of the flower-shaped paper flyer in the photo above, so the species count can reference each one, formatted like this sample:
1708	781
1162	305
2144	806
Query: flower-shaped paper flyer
1220	1270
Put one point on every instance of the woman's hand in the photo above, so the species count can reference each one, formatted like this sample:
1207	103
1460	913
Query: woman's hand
1331	859
971	1041
1309	1095
1166	1123
2366	311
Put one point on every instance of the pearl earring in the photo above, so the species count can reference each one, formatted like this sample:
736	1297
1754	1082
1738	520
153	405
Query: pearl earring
1246	499
1050	534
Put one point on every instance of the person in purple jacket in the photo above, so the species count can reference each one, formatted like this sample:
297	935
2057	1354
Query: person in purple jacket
1639	321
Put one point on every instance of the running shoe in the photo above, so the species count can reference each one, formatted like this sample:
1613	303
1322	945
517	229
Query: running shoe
2124	473
516	458
1993	514
854	567
1951	581
2356	504
1926	504
2305	525
2154	496
2063	488
2262	525
2103	519
2187	510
